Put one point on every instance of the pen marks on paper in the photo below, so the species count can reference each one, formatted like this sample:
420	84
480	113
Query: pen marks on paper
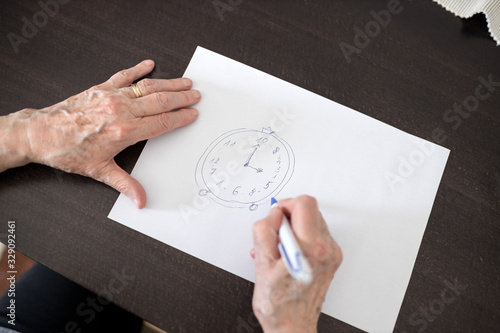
244	167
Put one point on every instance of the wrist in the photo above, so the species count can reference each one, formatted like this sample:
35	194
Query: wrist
14	141
290	329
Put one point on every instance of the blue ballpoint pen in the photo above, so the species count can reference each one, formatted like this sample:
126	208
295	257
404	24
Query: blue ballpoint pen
290	251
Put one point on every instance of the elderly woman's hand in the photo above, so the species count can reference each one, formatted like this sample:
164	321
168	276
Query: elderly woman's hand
281	303
84	133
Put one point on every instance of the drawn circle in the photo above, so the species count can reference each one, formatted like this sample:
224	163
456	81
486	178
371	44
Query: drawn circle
265	162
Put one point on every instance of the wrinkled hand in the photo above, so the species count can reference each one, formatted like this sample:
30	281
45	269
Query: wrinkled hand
84	133
281	303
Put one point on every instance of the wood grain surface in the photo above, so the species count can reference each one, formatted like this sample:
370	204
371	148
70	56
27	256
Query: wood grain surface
408	75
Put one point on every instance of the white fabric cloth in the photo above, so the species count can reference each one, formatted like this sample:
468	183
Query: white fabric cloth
467	8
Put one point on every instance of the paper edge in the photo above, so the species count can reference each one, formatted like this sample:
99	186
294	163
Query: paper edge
318	95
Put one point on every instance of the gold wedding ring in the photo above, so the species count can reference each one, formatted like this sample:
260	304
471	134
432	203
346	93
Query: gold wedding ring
137	91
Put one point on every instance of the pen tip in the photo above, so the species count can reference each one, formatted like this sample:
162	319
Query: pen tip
273	201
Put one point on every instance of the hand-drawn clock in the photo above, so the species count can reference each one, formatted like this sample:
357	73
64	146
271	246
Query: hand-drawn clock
245	167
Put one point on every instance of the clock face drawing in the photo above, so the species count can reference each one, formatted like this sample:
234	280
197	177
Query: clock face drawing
244	168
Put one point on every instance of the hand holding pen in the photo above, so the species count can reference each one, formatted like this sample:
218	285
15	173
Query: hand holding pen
282	302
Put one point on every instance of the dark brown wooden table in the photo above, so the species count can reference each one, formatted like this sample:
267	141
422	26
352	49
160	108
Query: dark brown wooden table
407	73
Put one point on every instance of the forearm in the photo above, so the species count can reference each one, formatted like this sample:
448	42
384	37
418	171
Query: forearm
14	141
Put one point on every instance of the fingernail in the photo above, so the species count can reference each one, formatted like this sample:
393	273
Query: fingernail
187	82
196	112
136	202
148	62
196	94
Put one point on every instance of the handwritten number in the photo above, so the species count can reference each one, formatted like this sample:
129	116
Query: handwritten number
235	191
267	185
228	143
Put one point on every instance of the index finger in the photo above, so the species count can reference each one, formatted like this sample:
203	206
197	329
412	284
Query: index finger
127	76
305	217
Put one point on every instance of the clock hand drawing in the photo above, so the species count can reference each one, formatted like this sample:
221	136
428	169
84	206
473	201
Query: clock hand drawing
245	167
247	164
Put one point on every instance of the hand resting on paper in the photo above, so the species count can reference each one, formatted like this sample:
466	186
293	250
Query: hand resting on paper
280	303
85	132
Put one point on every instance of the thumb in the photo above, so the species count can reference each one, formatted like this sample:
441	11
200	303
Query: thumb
121	181
266	237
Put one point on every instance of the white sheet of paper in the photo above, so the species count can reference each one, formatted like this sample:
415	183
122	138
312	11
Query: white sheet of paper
258	136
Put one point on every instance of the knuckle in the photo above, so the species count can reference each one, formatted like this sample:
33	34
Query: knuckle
163	99
338	256
308	201
334	257
187	97
165	121
112	104
322	251
124	73
148	86
119	132
326	265
96	87
327	253
334	263
92	93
